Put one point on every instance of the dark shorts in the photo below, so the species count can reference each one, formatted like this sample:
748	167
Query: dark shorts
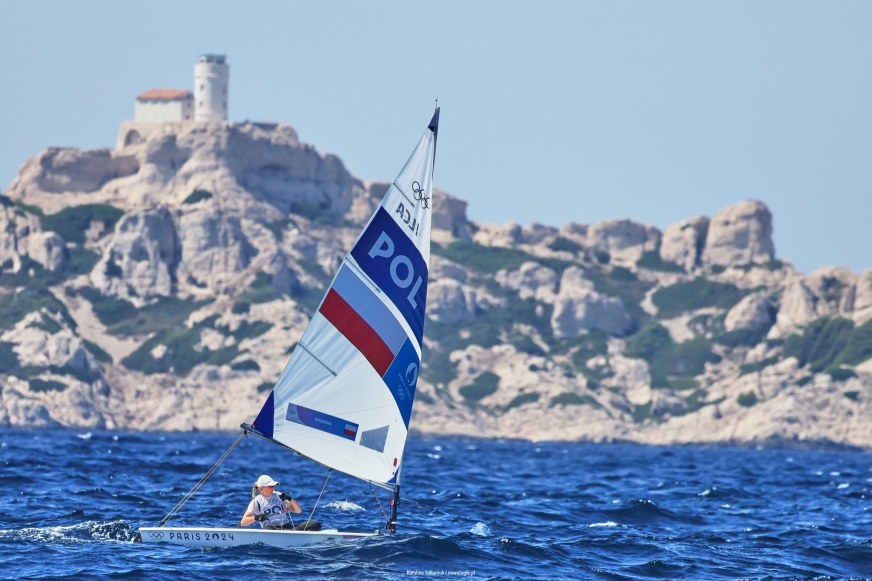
313	526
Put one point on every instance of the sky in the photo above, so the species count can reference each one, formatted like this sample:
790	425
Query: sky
551	111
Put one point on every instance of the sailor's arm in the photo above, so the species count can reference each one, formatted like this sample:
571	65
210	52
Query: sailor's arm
290	504
247	519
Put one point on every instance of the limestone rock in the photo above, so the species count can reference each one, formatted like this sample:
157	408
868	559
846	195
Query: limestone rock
449	213
443	268
48	249
863	292
622	239
60	170
449	301
752	312
142	257
531	280
799	307
575	232
213	247
578	307
683	242
740	234
38	348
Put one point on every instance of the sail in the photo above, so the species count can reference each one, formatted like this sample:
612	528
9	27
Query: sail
345	397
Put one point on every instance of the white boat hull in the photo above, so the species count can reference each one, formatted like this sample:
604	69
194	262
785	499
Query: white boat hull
231	537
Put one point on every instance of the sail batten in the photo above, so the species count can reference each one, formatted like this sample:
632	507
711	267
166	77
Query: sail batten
344	400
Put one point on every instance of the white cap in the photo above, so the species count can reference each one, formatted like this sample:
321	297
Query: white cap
265	480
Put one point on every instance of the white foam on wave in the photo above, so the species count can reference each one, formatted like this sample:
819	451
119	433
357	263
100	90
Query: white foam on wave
844	485
85	436
481	530
705	492
603	524
86	532
344	505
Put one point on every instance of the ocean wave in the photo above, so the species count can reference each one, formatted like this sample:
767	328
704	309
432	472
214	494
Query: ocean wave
343	505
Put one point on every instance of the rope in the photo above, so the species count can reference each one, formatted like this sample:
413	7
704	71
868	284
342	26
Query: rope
202	481
384	514
305	526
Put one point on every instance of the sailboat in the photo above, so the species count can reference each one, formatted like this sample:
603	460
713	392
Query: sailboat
344	399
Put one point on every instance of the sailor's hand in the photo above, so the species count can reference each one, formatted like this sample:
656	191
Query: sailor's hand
261	517
285	497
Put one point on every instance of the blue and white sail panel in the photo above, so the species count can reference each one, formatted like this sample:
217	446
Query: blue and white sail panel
345	397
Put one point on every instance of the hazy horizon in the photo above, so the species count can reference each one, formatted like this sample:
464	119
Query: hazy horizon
552	112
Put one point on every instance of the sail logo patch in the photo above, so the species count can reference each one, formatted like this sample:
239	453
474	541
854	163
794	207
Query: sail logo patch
402	378
393	262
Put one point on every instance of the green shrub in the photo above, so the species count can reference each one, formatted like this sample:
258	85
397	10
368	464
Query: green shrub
29	208
50	326
629	289
522	399
652	261
109	310
747	399
15	305
672	301
569	398
320	213
852	395
240	307
840	373
602	256
97	352
79	261
622	274
756	366
525	344
481	387
198	196
46	385
163	314
72	223
667	359
181	356
804	380
830	342
590	345
561	244
642	412
261	290
265	386
248	330
486	259
247	365
742	336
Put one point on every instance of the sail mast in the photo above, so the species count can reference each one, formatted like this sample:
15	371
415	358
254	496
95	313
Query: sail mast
395	498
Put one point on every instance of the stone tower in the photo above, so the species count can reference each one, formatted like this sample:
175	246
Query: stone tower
211	78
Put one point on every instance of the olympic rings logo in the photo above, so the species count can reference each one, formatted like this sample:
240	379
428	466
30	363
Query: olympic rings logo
155	535
419	195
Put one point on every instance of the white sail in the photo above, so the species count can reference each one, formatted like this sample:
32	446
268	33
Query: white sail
345	397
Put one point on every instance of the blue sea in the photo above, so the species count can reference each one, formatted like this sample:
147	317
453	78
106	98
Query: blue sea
72	502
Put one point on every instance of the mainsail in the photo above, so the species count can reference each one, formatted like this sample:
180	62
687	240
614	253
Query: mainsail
345	397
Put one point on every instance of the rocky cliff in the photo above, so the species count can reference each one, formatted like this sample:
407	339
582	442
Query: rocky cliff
163	286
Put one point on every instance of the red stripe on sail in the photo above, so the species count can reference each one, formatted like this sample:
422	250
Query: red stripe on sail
357	330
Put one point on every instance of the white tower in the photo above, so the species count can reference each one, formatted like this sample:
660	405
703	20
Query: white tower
211	77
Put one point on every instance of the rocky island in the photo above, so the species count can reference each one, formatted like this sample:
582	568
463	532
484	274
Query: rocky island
162	285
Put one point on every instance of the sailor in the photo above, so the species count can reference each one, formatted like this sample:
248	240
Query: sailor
269	507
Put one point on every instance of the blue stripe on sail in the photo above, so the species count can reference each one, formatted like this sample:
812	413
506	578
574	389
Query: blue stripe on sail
364	302
393	262
321	421
264	421
402	377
